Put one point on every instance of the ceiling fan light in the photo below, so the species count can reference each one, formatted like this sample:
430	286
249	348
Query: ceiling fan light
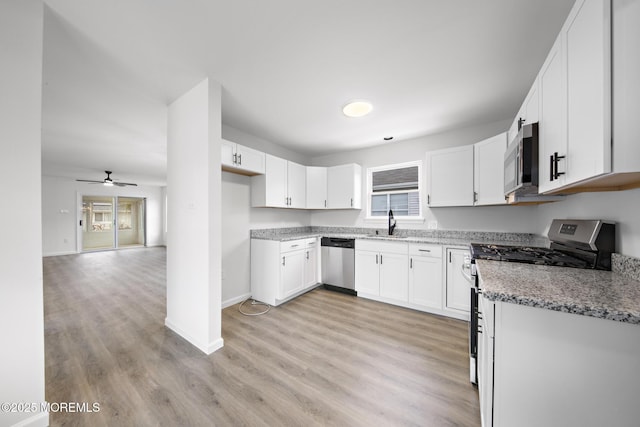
108	183
357	108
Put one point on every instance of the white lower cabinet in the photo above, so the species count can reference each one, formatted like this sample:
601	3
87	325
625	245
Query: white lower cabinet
458	294
557	369
485	359
413	275
283	270
425	276
381	270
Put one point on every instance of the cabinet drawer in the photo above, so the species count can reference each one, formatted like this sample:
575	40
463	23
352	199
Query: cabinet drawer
294	245
382	246
426	250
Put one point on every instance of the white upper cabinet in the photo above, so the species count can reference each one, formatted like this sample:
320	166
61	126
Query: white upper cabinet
344	187
488	168
316	187
528	112
552	126
450	177
240	159
596	53
296	185
282	186
588	56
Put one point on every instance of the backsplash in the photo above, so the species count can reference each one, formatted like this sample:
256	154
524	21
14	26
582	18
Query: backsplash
626	266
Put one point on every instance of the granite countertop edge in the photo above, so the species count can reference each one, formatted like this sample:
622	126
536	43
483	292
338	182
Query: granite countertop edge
599	312
611	295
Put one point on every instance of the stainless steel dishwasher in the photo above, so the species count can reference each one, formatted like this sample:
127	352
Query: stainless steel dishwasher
338	264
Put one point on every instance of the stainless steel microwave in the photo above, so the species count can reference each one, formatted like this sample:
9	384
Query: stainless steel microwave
521	162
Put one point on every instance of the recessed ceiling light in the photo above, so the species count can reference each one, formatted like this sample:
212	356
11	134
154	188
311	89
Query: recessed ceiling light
357	109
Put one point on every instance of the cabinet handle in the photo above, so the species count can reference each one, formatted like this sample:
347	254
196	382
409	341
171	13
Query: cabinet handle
556	159
428	199
325	203
424	250
240	159
410	262
479	329
235	158
307	254
380	259
351	202
449	256
294	246
475	197
282	260
551	176
376	258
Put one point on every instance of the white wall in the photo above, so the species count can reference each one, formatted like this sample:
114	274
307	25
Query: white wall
21	298
61	212
622	207
193	237
238	218
501	218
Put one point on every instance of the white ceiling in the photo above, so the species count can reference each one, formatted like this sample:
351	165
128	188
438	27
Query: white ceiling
286	66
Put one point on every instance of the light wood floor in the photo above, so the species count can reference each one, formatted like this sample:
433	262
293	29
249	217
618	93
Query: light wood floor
322	359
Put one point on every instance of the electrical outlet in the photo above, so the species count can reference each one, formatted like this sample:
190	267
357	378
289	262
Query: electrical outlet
432	225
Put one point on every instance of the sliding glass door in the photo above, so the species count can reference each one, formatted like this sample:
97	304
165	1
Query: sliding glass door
105	227
131	229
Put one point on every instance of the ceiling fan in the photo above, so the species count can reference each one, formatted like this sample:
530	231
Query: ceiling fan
108	181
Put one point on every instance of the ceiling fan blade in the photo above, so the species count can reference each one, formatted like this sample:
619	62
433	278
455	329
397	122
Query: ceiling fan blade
89	180
124	184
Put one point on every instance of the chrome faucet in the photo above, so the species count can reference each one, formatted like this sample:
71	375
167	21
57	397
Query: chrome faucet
392	223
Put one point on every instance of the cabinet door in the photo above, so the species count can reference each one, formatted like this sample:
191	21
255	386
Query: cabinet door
367	272
316	187
488	159
344	187
588	47
485	361
296	185
458	287
450	177
425	281
394	276
291	273
275	182
552	129
311	276
228	150
531	105
250	160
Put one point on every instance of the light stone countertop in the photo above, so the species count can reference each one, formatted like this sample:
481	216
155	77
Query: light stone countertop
438	237
595	293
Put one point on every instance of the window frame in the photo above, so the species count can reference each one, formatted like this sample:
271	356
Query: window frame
420	191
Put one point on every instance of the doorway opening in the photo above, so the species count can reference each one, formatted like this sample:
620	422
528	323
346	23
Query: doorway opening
113	222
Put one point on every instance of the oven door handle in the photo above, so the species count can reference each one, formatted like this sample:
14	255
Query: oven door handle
466	269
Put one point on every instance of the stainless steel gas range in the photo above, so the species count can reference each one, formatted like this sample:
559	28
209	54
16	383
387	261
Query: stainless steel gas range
574	243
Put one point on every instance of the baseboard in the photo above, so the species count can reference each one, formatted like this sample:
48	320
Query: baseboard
235	300
59	253
38	420
205	348
215	345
